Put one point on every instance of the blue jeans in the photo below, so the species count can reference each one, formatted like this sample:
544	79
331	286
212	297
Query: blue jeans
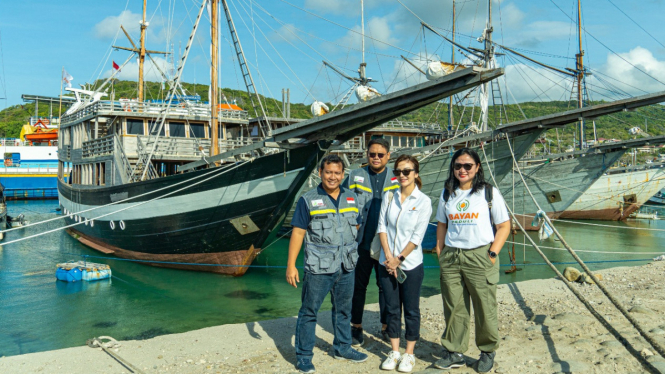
315	287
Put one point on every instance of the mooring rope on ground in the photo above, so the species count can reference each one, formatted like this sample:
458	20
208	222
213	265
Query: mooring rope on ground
107	346
87	220
656	345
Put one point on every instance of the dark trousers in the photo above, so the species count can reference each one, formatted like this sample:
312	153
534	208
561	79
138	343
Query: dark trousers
315	287
403	295
363	272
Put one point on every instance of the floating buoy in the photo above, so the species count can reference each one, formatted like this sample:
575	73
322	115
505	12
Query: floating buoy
82	270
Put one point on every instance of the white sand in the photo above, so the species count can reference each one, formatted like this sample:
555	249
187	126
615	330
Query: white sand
536	337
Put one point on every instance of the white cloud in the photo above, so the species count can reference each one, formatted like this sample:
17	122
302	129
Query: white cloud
622	71
534	33
109	27
377	28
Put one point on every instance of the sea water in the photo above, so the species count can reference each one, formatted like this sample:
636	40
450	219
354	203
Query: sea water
39	313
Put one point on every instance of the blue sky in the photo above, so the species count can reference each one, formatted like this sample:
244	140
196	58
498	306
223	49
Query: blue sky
39	37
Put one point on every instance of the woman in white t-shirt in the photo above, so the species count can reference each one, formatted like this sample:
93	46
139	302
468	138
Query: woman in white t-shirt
402	224
468	249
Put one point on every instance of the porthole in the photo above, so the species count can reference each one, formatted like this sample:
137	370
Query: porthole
122	225
112	225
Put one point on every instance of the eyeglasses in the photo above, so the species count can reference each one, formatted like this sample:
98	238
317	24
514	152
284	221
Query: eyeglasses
406	172
466	167
379	155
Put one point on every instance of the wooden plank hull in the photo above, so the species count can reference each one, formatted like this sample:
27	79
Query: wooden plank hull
615	196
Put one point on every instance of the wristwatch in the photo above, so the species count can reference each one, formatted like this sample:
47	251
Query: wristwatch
401	258
491	254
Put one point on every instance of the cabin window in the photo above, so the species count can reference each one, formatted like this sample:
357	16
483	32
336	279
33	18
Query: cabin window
134	127
198	130
177	129
154	126
412	142
402	141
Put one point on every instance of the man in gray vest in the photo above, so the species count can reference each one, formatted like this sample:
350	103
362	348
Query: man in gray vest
369	183
327	219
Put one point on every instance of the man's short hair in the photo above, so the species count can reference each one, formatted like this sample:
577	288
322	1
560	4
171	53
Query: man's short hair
331	159
380	141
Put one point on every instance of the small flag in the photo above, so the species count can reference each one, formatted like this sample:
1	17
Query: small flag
67	78
350	200
393	179
115	66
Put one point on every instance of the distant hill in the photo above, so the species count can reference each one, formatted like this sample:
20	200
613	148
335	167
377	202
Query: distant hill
614	126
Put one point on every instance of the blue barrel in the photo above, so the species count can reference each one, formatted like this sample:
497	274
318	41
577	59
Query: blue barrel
73	275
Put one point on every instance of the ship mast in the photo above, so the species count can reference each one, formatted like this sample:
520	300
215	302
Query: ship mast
142	53
363	65
489	54
579	73
452	61
214	36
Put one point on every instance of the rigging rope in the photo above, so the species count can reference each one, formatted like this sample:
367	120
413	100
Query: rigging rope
649	338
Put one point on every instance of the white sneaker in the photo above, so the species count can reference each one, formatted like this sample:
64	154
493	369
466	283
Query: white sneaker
407	362
391	362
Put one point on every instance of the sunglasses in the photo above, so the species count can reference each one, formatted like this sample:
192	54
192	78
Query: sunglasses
379	155
466	167
406	172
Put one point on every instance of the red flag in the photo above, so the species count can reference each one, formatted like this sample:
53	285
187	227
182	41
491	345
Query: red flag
115	66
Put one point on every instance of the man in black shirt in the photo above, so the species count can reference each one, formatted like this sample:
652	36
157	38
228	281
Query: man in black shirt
369	183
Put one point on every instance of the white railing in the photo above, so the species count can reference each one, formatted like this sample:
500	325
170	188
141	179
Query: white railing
411	125
192	109
30	169
179	147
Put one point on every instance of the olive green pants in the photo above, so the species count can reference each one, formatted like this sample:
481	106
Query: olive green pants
468	277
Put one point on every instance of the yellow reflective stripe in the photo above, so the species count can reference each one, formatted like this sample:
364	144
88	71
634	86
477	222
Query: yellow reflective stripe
360	187
323	211
348	210
391	187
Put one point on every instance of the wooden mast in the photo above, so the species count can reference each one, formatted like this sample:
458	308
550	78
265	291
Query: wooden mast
142	53
580	70
214	36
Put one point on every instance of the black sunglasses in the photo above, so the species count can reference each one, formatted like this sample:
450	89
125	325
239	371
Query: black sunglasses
379	155
466	167
406	172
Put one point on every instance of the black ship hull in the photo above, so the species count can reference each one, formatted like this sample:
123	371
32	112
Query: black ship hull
194	224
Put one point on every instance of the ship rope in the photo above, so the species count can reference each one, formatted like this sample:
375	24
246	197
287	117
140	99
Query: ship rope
215	174
648	337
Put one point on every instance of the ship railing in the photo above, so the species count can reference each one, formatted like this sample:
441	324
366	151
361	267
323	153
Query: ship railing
29	169
100	146
13	142
137	172
121	159
395	124
127	107
175	146
230	144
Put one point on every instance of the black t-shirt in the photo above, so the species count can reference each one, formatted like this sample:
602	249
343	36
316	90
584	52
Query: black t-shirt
372	221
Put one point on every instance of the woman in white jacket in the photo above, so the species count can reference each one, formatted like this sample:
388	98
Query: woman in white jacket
402	224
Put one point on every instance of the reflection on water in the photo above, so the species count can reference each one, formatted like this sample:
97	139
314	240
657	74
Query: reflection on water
140	302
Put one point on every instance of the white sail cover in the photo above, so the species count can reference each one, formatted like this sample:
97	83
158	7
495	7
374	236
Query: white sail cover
365	93
438	69
318	109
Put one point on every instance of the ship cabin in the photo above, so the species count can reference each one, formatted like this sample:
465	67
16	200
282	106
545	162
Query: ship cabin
103	141
400	134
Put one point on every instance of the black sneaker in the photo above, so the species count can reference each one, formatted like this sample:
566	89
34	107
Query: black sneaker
450	360
357	339
485	362
304	365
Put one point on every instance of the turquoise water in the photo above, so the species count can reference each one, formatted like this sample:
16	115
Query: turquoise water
38	313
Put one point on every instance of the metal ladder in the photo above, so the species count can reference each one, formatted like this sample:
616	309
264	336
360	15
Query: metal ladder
498	108
266	130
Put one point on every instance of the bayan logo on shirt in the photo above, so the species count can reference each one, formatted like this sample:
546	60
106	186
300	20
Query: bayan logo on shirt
462	206
317	203
358	178
463	218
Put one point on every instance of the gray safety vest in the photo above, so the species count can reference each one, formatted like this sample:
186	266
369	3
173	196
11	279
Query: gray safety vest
358	182
330	240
